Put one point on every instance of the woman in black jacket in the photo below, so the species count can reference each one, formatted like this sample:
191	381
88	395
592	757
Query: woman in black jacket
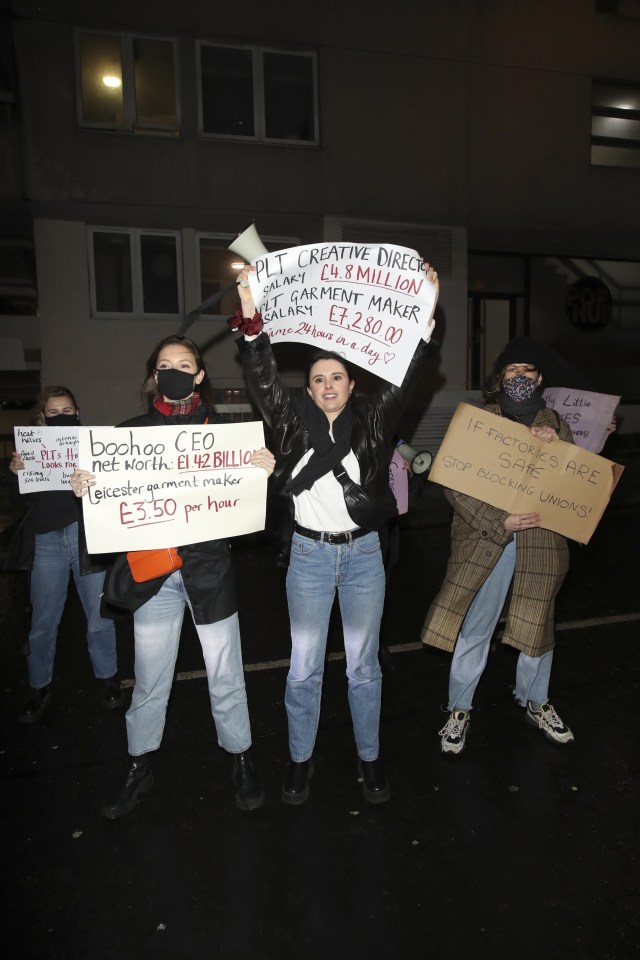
332	483
49	542
178	391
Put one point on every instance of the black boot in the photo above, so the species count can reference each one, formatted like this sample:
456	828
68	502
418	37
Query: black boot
295	789
375	785
249	792
139	780
111	693
36	705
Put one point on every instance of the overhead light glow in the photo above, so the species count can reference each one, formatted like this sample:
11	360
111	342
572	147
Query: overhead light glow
111	81
238	266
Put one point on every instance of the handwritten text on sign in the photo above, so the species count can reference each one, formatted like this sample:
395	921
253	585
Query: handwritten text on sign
502	463
49	454
170	486
368	302
588	414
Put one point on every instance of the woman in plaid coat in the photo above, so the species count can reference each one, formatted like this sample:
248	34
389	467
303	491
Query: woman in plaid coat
490	550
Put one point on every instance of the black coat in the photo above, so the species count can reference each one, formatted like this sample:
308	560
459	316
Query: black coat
377	418
22	548
206	567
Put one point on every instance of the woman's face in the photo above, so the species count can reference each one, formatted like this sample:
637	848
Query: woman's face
175	356
57	405
329	387
516	369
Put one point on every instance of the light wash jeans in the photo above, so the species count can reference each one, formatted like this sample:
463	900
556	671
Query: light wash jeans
56	555
316	571
474	639
157	627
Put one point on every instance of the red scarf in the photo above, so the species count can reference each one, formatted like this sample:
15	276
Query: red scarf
179	408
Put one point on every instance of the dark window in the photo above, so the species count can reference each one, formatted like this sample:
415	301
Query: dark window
257	93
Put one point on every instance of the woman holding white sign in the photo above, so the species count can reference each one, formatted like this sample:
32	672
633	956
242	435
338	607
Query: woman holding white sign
332	481
156	586
49	542
490	549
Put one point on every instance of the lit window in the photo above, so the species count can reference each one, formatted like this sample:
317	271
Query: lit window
267	95
127	83
219	267
615	124
135	273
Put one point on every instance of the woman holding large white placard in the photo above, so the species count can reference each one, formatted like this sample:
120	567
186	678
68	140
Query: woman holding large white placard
332	482
49	542
490	550
156	586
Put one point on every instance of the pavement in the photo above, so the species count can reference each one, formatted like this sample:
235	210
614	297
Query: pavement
518	847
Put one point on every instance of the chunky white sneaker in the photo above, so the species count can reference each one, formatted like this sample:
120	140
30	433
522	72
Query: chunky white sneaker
454	732
549	722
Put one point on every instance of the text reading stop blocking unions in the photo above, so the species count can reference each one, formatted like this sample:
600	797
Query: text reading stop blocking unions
193	453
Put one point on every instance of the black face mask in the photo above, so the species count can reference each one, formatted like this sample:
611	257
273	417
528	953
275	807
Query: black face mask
175	384
62	420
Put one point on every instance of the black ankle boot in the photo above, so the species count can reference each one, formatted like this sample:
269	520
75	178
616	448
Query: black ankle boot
36	705
295	789
111	693
249	792
139	780
375	785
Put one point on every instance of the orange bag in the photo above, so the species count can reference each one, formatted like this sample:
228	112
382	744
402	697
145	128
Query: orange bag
149	564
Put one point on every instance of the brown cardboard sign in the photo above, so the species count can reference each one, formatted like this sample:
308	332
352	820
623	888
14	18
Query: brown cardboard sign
500	462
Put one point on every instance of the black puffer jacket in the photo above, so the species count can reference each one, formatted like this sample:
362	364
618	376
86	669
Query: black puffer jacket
206	570
377	419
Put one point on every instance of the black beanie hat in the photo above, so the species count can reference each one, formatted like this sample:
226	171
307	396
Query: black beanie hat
522	350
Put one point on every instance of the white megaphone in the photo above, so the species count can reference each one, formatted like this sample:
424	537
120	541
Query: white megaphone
248	244
419	461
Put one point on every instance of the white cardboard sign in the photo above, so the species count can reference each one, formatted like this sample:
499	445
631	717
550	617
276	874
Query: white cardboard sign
368	302
49	454
170	486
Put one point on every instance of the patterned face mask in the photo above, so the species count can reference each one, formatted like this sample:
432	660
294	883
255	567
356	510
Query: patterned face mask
521	387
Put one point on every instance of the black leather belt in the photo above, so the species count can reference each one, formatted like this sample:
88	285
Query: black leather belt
333	538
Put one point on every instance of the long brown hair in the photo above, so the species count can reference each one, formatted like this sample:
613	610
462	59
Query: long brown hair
150	388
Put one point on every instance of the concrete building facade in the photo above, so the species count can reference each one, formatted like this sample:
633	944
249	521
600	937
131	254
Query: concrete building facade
493	137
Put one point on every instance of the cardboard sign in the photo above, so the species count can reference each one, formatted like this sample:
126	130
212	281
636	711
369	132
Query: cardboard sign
49	454
368	302
587	414
502	463
171	486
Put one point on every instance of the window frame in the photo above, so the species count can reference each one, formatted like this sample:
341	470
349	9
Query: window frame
130	122
626	144
259	117
137	288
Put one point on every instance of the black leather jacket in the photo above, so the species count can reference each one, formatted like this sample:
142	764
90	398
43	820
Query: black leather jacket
377	419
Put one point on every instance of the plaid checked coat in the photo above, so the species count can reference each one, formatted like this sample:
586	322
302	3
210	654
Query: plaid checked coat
477	540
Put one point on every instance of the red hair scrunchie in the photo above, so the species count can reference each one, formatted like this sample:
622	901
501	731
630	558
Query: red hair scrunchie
249	326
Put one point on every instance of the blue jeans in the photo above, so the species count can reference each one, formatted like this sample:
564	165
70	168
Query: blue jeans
157	627
317	569
56	555
472	646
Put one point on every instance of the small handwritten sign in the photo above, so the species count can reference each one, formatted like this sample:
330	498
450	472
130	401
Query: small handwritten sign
502	463
588	414
368	302
49	454
171	486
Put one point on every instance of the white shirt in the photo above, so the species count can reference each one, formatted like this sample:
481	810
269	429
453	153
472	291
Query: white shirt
323	507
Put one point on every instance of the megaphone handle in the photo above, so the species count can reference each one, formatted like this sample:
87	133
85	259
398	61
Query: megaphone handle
191	316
